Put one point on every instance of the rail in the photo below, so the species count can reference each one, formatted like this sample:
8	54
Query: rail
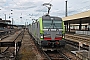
10	46
60	55
78	38
55	55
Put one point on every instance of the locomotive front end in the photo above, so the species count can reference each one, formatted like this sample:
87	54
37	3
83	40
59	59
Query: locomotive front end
53	32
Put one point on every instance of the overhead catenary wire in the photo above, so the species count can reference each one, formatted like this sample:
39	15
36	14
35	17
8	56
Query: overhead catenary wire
77	5
38	12
79	10
19	5
50	1
43	8
15	3
85	7
82	7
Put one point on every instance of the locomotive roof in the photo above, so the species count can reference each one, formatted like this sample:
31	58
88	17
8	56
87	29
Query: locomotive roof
47	17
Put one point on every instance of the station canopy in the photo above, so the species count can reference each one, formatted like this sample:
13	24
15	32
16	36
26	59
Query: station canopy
84	17
4	23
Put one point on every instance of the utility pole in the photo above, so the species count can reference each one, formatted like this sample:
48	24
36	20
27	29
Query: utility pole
66	8
25	25
66	14
12	22
5	18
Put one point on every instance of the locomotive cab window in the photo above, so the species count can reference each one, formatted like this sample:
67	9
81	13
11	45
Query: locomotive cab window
52	24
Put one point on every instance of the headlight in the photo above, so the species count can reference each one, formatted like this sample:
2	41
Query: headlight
41	36
63	37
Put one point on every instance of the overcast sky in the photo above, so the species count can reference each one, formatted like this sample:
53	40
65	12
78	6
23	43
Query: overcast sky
34	9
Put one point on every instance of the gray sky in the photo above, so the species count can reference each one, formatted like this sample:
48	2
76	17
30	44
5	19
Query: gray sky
34	9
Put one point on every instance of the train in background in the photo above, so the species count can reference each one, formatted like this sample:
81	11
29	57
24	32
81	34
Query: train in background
49	32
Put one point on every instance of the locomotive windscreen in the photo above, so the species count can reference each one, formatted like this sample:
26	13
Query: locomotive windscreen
54	24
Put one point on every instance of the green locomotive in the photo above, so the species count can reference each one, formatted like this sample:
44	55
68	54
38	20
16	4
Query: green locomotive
49	32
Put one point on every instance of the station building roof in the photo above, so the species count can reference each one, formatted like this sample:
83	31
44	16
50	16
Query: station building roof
75	19
0	18
4	24
3	21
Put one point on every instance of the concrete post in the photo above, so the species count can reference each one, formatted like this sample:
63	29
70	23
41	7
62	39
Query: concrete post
5	18
12	22
69	26
65	27
80	45
15	49
80	24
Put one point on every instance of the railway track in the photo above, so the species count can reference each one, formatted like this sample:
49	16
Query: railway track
6	32
77	41
10	52
76	45
76	38
50	55
55	55
28	50
62	54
